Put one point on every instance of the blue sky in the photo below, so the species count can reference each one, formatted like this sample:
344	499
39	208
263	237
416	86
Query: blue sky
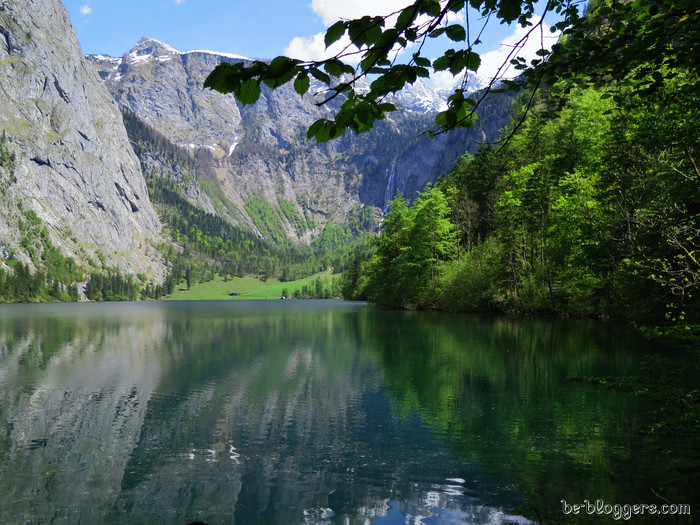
257	29
260	29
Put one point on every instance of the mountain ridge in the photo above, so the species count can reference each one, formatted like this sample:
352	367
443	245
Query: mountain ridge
262	151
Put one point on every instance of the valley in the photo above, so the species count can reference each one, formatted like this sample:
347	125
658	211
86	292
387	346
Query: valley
209	185
517	259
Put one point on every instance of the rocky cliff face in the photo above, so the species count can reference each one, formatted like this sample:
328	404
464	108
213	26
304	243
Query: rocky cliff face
254	151
73	164
262	151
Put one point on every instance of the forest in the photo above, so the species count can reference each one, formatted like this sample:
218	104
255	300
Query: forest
591	211
588	206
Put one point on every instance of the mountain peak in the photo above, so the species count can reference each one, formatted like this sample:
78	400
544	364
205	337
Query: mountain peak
419	97
148	42
150	48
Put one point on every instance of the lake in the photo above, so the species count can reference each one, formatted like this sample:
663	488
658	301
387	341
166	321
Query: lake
312	412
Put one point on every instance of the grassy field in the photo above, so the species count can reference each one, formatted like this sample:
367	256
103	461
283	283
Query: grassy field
249	287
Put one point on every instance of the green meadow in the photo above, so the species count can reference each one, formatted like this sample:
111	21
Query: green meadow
247	287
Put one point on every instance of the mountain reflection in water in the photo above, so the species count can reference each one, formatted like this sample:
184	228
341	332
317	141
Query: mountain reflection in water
314	412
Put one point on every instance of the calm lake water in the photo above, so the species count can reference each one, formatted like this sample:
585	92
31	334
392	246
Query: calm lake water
311	412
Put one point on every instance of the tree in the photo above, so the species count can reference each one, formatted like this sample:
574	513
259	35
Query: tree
411	249
612	42
389	282
432	242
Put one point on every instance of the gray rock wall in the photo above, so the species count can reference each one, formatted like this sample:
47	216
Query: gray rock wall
74	166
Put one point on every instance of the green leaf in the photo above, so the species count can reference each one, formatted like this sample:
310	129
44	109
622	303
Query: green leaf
320	75
474	61
406	17
366	30
460	60
334	33
422	72
433	8
314	128
441	63
249	92
388	38
280	66
441	119
323	134
374	32
367	63
333	68
456	32
421	61
364	113
225	78
456	6
509	10
301	84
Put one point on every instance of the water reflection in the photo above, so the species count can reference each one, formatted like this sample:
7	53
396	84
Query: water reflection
304	412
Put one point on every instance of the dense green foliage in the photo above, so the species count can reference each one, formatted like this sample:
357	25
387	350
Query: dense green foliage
111	287
326	288
414	244
591	212
591	208
268	219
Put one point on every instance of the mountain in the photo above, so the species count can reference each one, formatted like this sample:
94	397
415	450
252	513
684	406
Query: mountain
421	98
241	185
70	178
475	82
260	151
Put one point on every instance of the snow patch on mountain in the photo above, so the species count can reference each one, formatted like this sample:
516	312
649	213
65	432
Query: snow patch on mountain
419	97
218	53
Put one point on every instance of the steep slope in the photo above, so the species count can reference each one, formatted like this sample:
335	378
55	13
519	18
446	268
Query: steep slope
261	151
74	167
249	152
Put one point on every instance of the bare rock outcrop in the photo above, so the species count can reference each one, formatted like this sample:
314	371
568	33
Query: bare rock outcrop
74	166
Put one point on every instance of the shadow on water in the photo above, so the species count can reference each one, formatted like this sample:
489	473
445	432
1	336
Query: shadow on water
310	412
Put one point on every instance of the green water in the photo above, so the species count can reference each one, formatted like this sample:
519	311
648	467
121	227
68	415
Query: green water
311	412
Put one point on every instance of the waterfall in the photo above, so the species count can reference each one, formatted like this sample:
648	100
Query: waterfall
390	191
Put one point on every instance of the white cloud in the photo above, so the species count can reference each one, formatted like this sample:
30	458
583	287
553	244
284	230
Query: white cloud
540	38
443	80
85	10
331	11
312	48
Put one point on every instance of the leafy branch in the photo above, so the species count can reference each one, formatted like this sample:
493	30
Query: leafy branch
378	41
638	44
